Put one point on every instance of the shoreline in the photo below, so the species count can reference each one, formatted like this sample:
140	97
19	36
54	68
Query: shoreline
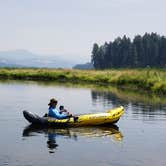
149	80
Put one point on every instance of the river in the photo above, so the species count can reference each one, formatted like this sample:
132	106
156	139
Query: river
138	139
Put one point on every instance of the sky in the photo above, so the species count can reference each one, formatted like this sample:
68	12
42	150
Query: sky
69	28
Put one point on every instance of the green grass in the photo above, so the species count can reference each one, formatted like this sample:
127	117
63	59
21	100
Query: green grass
153	80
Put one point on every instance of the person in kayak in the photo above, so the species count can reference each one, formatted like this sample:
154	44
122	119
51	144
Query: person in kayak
53	112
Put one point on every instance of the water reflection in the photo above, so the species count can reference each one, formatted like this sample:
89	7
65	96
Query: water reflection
103	93
72	133
107	98
138	103
51	143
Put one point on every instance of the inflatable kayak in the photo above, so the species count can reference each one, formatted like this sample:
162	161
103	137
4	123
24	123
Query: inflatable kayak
109	117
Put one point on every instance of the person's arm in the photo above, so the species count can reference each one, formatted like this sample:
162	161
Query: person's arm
58	115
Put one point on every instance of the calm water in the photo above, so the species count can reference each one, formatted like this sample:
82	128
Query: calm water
138	139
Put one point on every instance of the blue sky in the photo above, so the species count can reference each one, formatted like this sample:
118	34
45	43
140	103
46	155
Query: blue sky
70	27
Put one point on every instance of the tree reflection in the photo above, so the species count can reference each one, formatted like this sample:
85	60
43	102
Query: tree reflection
141	105
107	98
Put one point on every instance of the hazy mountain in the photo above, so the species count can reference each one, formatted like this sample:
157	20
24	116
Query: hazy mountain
24	58
84	66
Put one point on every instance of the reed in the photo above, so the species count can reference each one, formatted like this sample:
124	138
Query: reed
153	80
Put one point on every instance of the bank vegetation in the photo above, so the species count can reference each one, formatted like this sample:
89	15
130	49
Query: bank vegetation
149	80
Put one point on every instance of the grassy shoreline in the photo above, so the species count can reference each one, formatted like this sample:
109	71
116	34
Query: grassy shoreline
152	80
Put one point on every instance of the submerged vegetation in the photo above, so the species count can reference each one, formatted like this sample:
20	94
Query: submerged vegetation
153	80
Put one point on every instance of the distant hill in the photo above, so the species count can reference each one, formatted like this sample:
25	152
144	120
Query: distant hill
24	58
84	66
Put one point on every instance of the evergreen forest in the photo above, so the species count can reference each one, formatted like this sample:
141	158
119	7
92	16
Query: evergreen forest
148	50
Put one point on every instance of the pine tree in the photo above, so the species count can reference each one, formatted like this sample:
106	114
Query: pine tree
143	51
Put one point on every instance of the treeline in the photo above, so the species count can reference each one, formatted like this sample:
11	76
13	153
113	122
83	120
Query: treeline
148	50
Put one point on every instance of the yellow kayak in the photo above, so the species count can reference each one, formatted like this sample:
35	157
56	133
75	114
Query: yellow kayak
108	117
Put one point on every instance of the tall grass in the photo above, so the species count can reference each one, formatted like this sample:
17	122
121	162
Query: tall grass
153	80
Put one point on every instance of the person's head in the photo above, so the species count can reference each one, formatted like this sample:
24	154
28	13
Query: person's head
53	102
61	107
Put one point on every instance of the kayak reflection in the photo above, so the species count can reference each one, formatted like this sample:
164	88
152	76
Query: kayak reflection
111	131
